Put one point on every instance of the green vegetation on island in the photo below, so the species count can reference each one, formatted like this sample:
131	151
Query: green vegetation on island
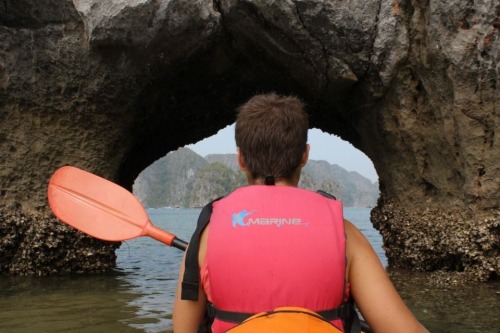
183	178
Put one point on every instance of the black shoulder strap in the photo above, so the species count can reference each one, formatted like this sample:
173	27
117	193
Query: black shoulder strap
191	278
327	195
352	324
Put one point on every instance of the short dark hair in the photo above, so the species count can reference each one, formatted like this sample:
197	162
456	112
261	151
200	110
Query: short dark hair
271	134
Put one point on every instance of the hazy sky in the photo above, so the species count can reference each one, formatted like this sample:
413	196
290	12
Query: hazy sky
323	147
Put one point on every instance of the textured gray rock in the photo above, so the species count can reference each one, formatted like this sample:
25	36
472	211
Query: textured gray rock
110	86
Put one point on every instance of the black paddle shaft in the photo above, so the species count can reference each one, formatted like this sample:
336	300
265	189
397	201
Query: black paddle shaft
179	243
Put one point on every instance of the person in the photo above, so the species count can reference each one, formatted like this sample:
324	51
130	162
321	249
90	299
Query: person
271	244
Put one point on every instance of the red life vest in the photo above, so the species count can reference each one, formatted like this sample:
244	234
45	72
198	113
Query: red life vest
271	247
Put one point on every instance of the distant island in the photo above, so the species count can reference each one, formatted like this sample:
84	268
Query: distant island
185	179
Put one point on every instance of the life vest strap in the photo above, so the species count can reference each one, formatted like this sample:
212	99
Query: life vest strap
341	312
191	278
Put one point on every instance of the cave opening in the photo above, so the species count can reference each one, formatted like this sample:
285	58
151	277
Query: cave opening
195	174
199	98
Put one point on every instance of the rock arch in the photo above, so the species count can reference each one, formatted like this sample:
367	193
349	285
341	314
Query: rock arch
110	86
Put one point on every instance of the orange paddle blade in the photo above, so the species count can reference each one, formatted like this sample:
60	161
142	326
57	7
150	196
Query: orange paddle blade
99	207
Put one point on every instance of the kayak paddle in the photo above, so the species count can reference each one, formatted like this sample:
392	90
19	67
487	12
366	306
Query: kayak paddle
101	208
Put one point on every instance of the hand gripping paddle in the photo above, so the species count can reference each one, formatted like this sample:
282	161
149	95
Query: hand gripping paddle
101	208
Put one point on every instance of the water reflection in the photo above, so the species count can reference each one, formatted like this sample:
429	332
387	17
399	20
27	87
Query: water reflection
78	303
150	269
469	308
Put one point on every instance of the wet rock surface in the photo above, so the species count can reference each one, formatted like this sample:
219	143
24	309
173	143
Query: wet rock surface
45	246
111	86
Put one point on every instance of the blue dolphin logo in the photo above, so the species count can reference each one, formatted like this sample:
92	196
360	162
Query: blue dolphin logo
238	218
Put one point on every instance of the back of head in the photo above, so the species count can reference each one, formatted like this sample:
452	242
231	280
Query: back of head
271	134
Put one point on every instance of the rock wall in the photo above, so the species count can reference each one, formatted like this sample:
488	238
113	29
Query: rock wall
110	86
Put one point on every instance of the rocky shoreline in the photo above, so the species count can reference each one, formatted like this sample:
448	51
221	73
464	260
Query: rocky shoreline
458	251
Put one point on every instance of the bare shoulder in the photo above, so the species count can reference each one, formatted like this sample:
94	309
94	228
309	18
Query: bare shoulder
357	245
351	230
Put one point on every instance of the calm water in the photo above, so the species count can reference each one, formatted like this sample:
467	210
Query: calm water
138	295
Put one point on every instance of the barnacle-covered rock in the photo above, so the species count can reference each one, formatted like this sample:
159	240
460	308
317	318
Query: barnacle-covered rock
441	240
45	246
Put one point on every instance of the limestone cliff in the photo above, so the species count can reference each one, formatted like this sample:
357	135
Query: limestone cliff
182	178
112	85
